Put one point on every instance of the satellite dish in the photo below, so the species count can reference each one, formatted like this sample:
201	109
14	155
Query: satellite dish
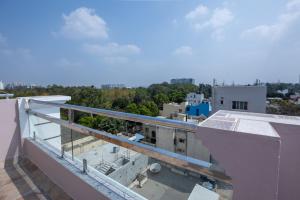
155	168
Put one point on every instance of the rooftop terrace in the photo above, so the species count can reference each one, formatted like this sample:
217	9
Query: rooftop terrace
260	163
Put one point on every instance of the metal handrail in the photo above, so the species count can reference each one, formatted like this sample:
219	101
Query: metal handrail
124	116
175	159
6	95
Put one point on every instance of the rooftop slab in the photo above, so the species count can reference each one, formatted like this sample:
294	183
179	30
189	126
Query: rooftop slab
247	122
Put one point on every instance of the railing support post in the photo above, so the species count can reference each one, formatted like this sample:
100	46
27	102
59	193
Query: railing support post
71	120
84	166
62	151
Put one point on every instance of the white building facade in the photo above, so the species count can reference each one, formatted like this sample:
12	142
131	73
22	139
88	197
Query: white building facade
1	85
194	98
239	98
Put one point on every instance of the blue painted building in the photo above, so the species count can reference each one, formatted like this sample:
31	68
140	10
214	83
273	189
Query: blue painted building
203	108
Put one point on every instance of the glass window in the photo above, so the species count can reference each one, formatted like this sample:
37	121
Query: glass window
153	134
246	106
234	105
240	105
181	140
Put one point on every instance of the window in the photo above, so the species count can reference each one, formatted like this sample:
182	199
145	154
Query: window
181	140
153	141
180	110
187	108
153	134
197	112
222	101
147	130
239	105
234	105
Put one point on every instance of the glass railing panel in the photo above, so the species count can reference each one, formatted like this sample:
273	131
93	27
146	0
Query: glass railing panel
147	176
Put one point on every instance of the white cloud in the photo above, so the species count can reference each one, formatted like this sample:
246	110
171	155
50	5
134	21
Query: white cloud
83	23
293	5
277	30
197	13
183	51
112	52
219	18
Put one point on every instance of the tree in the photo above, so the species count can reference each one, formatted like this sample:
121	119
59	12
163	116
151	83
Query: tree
144	110
160	99
152	107
132	108
177	97
141	95
120	103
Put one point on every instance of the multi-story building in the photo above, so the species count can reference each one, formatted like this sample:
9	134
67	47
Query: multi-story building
239	98
110	86
201	109
176	140
197	106
170	109
183	81
194	98
1	85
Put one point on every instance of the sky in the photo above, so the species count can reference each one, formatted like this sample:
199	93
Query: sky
140	42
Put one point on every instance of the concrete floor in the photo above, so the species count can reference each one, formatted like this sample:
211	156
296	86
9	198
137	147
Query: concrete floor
25	181
167	185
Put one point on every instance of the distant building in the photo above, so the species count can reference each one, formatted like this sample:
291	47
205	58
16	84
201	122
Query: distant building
170	109
239	98
283	92
203	108
176	140
1	85
295	96
197	106
19	85
110	86
194	98
183	81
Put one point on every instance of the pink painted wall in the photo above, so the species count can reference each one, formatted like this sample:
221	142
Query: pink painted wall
289	172
252	161
9	130
71	184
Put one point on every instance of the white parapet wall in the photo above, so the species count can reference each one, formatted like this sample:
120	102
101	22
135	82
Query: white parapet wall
31	125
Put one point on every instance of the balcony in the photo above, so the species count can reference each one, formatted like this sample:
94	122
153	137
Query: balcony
231	155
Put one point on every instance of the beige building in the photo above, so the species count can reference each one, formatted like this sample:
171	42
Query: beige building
170	109
175	140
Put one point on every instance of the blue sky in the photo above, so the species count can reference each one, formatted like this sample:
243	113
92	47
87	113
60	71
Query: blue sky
143	42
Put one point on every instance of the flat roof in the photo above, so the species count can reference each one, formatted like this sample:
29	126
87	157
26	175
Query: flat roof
199	192
247	122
